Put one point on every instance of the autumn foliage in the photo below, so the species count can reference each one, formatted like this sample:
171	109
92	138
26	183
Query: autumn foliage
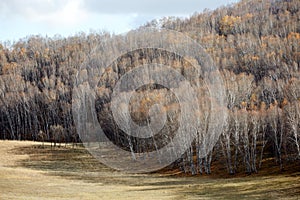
255	44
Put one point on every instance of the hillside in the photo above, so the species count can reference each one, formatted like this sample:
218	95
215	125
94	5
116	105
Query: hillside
254	43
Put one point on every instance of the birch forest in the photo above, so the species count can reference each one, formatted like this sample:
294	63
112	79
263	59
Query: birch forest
254	44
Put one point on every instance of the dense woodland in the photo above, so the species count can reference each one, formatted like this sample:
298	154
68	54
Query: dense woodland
254	43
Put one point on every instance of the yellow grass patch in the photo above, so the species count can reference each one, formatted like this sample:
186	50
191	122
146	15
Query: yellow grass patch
30	171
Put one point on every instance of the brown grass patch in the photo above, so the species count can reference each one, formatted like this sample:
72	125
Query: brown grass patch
32	171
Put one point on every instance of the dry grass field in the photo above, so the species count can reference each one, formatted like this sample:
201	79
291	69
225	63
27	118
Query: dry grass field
29	170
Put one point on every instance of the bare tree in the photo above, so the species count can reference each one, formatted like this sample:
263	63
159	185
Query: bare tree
57	133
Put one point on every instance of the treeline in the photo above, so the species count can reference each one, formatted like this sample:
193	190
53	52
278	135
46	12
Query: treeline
254	43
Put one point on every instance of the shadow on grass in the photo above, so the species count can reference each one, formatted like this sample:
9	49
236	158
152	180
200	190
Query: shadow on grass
59	159
68	162
77	163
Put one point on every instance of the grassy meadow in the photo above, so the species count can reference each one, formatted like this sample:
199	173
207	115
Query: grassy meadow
29	170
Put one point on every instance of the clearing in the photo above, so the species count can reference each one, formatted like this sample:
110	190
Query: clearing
29	170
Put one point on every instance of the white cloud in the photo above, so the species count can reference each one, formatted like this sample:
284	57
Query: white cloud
153	7
51	12
69	14
19	18
24	9
156	7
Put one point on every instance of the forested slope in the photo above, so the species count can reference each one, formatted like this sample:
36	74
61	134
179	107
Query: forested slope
254	43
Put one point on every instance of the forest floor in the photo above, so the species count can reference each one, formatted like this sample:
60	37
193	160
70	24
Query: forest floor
29	170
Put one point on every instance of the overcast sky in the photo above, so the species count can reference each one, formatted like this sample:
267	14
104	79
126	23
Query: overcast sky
20	18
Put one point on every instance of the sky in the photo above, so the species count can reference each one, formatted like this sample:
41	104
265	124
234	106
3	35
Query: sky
21	18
